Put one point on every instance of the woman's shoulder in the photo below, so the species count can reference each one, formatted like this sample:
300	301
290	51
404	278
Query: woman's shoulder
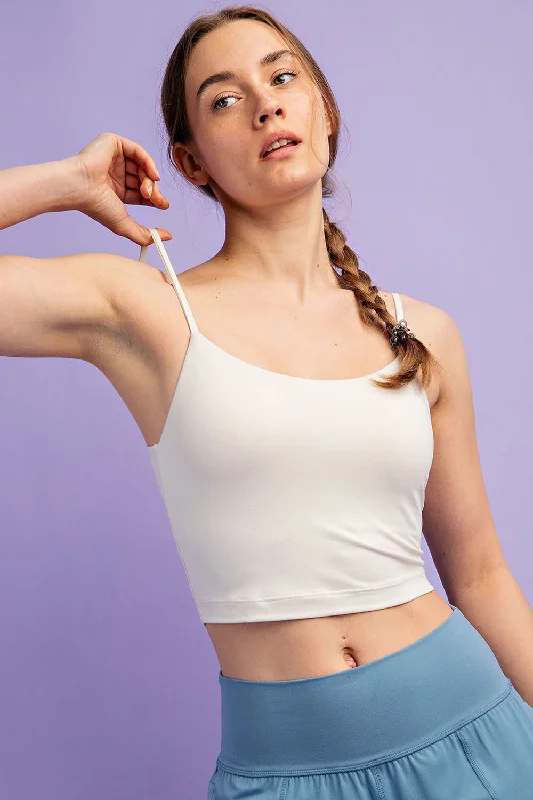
428	321
436	328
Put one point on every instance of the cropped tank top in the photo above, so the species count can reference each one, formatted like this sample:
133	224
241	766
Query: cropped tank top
292	497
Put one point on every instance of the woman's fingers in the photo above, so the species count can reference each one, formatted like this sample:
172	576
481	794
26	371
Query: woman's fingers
132	181
164	234
143	182
134	197
158	199
147	187
136	153
131	166
138	177
117	171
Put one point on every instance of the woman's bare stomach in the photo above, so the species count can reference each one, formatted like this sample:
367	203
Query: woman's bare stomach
308	648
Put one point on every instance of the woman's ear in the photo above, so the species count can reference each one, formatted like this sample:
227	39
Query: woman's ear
188	166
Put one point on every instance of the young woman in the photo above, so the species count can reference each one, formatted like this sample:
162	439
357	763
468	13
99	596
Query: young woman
302	426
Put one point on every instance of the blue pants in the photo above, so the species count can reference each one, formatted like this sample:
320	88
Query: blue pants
436	720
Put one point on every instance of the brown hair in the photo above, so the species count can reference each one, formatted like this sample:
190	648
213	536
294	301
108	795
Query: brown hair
372	309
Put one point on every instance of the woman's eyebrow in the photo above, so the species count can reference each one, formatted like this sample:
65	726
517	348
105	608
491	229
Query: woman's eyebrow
218	77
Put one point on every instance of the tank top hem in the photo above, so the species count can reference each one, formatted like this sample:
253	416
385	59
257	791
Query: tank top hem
316	605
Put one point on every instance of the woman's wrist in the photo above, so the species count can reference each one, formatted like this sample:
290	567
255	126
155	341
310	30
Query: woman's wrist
71	184
34	189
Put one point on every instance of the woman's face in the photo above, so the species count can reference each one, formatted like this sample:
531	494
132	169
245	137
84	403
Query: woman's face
232	117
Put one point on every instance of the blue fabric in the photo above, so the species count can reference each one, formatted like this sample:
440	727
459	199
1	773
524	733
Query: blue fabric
436	720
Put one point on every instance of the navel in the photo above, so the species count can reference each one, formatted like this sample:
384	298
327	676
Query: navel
348	657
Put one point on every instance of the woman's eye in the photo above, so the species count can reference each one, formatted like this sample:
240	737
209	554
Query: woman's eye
216	107
284	73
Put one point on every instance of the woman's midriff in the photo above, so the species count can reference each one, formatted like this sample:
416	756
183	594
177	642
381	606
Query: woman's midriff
308	648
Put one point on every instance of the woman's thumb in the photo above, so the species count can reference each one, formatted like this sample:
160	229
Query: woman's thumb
139	234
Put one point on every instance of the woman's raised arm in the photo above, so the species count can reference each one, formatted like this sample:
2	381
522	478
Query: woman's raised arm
108	174
60	306
35	189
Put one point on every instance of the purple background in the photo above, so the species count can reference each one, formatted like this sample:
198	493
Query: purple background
109	684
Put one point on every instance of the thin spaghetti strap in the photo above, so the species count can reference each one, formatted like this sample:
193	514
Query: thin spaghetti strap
398	306
174	278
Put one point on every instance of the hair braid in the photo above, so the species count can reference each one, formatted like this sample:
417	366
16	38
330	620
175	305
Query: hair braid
372	308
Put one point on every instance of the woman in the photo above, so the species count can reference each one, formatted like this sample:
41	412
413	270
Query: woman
296	469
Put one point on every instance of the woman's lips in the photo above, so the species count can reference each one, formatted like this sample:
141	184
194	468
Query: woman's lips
280	152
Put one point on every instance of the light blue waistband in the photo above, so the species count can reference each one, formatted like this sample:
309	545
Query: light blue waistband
362	716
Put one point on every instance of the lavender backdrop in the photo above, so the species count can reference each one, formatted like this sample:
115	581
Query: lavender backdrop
109	684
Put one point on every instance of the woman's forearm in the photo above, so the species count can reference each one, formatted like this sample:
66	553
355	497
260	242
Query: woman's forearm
498	608
33	189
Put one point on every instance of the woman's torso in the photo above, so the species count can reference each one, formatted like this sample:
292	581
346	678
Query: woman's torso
326	341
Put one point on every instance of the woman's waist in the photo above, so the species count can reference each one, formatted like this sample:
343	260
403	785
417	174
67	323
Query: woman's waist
354	717
305	648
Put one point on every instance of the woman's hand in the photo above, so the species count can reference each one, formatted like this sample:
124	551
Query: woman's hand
114	171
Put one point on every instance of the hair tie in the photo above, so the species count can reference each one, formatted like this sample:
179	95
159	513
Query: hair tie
400	334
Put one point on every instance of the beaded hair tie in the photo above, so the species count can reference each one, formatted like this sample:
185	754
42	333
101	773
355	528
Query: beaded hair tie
400	334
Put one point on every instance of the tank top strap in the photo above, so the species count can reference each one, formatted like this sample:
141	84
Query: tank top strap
398	306
174	278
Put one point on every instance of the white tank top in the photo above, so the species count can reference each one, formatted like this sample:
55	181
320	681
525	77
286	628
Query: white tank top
292	497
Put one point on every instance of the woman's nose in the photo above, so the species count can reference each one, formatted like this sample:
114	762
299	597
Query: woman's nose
272	109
